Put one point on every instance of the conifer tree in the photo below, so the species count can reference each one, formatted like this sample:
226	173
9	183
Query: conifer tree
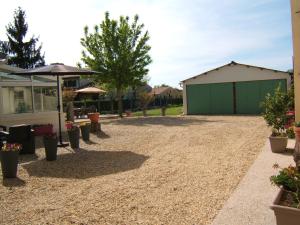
21	53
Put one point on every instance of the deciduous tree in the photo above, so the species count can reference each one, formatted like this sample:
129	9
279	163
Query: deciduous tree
118	50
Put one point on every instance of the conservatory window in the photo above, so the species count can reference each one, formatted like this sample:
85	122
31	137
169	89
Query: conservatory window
16	100
45	99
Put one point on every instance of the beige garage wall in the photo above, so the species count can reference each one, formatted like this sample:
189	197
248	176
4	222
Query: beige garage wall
32	118
234	73
295	12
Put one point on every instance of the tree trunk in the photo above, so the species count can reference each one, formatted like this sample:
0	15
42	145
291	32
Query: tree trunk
112	105
120	102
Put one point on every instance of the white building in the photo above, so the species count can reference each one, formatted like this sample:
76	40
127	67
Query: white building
27	99
231	89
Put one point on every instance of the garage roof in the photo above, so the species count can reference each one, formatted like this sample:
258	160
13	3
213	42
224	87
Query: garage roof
233	63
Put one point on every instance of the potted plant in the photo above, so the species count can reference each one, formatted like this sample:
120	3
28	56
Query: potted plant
50	143
128	113
290	132
145	99
287	203
9	159
73	134
163	110
275	114
94	117
85	131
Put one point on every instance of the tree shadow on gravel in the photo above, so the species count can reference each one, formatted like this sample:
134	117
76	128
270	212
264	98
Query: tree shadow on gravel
165	121
86	164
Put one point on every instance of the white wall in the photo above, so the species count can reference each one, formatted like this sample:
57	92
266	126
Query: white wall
32	118
234	73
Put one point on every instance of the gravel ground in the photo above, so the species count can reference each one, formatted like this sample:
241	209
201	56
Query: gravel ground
171	170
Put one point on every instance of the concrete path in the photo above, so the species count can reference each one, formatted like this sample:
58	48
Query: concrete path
249	203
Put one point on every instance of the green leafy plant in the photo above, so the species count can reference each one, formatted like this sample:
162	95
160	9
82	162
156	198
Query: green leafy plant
275	109
289	179
297	124
290	133
145	99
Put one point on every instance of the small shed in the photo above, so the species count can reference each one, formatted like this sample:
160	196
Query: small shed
231	89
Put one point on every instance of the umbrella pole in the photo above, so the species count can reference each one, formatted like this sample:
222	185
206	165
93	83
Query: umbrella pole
60	144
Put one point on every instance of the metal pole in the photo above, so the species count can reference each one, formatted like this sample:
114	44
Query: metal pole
60	144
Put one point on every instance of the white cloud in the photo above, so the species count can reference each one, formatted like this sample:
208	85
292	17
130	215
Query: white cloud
187	37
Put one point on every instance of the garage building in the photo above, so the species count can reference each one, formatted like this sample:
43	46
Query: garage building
231	89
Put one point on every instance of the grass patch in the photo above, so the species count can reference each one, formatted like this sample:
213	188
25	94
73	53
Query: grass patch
171	111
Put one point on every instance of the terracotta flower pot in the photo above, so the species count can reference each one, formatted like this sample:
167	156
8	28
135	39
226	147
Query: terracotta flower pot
297	133
128	113
285	215
278	144
94	117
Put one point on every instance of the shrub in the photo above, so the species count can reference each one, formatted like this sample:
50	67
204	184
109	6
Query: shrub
289	179
290	133
275	109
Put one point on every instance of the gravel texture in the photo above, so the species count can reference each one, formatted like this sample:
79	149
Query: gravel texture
158	170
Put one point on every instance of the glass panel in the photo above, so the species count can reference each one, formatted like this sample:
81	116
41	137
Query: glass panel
45	78
37	95
16	100
70	83
10	77
45	99
49	99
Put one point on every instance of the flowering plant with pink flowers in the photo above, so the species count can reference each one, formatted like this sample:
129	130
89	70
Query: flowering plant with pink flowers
11	147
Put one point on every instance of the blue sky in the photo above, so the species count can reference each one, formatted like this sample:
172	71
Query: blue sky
187	37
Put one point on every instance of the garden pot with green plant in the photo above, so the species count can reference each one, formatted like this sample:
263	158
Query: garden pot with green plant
94	117
275	108
287	203
85	131
50	143
144	100
163	110
73	134
9	159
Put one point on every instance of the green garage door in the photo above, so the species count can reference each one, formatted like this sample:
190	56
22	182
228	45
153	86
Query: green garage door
249	94
210	98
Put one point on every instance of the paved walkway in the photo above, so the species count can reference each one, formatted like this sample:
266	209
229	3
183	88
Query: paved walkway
249	203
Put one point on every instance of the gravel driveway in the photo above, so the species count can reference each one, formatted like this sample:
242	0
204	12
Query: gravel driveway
171	170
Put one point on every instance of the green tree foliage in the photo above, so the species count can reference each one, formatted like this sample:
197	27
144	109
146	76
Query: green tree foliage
119	51
275	109
24	54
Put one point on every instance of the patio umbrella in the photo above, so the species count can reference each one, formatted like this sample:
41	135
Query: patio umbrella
90	90
57	69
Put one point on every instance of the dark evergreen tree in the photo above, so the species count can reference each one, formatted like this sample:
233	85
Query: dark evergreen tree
21	53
